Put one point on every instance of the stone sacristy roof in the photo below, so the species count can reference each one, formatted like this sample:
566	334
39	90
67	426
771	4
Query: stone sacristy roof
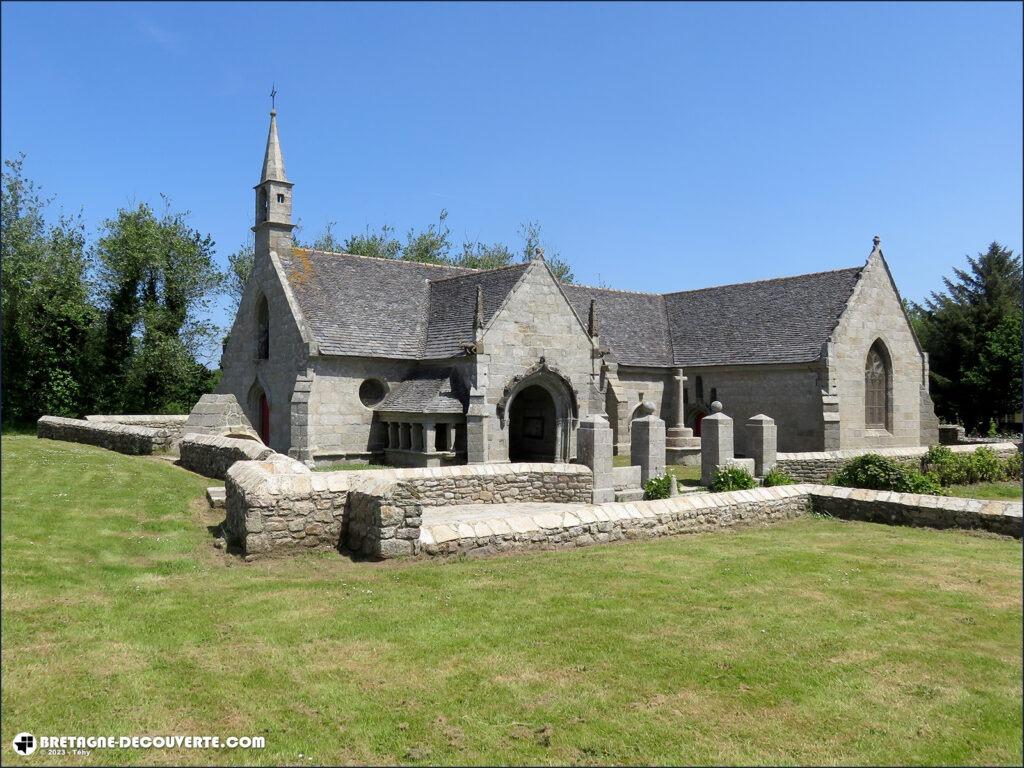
427	390
362	306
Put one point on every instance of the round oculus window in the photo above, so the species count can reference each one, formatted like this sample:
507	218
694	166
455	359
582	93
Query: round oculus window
371	392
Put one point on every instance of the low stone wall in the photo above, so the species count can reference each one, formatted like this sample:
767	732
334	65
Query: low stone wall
173	424
115	437
596	524
278	505
816	467
211	456
385	513
1002	517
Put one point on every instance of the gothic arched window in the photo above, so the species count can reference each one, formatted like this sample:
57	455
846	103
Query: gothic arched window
877	387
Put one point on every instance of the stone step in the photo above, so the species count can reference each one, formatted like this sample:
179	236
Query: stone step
217	495
629	494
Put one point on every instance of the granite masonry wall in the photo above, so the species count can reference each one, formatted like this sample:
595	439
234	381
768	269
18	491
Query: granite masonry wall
816	467
212	456
115	437
596	524
277	505
173	424
385	514
920	511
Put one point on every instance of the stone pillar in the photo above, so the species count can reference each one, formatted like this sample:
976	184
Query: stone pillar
716	447
594	449
647	442
428	437
762	439
680	386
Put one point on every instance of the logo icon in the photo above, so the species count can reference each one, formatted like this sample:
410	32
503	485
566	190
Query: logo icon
25	744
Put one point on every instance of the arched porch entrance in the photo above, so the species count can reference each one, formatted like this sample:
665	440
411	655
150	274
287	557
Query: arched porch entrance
259	406
540	414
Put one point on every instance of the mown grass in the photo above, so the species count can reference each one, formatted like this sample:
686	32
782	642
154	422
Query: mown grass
818	641
1009	489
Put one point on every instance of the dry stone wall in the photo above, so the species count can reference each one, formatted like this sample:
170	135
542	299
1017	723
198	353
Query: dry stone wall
816	467
597	524
1002	517
173	424
115	437
212	456
385	514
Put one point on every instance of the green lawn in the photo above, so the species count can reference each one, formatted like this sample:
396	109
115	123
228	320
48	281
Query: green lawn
1010	489
818	641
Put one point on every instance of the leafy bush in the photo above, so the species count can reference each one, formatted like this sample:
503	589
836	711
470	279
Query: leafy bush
733	479
980	466
657	488
777	477
880	473
1012	467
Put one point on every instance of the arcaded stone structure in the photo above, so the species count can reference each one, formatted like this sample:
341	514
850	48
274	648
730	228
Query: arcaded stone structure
334	356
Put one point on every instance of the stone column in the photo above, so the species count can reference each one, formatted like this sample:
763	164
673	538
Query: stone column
594	449
680	386
428	437
647	442
716	446
762	438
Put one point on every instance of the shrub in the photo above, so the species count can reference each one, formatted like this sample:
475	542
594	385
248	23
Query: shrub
987	466
733	479
777	477
657	488
1012	467
883	474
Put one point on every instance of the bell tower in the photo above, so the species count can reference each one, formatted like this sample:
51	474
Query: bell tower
273	225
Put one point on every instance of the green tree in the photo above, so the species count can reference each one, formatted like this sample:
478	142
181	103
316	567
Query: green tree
240	266
49	326
380	244
158	280
430	246
965	330
480	256
530	232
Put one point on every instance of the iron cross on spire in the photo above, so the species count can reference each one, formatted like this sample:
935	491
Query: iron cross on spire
273	97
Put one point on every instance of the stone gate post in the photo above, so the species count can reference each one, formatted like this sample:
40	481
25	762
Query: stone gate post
761	431
647	443
594	449
716	445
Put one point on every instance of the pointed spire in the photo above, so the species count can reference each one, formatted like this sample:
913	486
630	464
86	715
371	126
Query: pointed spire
478	318
273	160
592	321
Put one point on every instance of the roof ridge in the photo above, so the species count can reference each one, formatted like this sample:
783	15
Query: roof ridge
611	290
475	271
390	261
766	280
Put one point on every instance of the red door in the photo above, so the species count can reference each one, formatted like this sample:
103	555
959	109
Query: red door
264	419
696	424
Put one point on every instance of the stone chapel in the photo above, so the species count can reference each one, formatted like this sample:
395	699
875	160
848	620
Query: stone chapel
336	357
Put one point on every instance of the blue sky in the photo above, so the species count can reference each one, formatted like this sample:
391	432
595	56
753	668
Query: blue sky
661	146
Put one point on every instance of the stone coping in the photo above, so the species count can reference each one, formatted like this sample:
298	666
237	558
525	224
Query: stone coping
139	420
907	451
521	519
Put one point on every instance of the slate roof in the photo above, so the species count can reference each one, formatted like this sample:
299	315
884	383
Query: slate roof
785	320
427	390
453	307
362	306
633	326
